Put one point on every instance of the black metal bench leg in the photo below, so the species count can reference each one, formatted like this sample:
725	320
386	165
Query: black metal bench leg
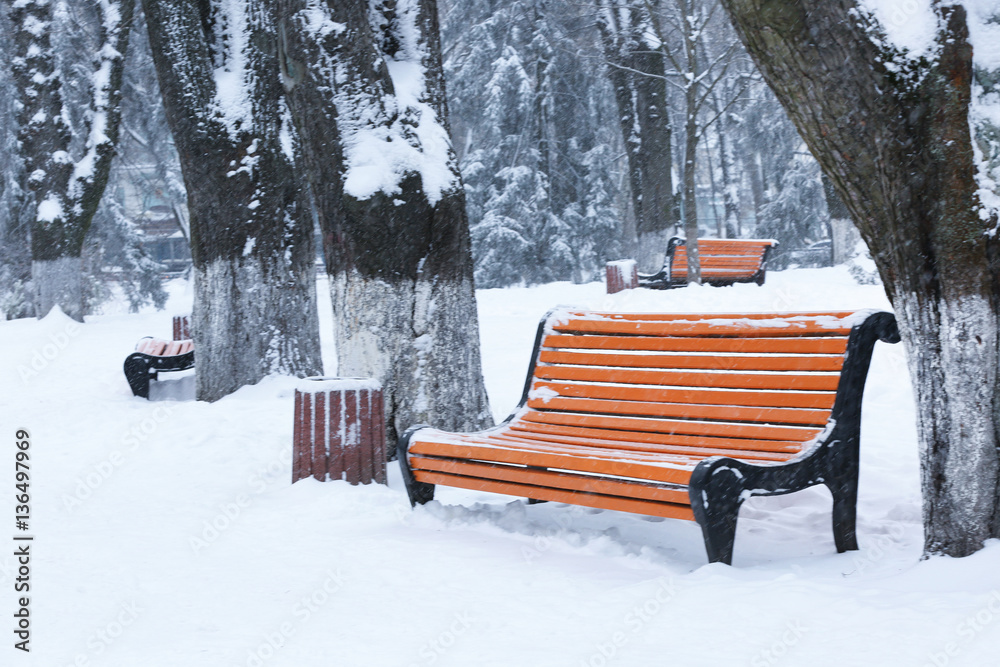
137	372
845	512
418	492
719	529
716	495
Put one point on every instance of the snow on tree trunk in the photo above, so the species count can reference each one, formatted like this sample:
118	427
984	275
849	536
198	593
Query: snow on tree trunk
251	228
889	124
58	282
727	165
67	188
366	91
636	72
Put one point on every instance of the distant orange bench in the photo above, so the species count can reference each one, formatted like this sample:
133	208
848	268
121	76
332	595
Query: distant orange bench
723	262
673	415
153	356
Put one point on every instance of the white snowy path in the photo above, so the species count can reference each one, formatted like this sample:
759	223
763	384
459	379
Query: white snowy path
129	570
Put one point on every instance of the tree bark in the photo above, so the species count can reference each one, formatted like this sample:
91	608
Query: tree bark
251	227
844	235
67	190
895	143
730	180
366	91
636	72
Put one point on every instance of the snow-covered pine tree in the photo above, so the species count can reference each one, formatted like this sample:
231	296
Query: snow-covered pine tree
145	163
795	212
766	146
529	106
116	246
887	115
66	159
366	91
251	228
15	203
147	158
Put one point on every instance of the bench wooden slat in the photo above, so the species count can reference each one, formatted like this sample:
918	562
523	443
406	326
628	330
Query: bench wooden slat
683	410
739	243
559	496
569	481
721	261
702	361
822	345
734	397
678	426
652	467
684	445
795	381
699	328
155	347
825	316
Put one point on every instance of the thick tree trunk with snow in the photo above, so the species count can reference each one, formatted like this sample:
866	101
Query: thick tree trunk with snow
367	94
251	227
67	188
893	137
636	71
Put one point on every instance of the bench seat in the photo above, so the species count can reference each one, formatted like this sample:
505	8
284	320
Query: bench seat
723	262
153	356
673	415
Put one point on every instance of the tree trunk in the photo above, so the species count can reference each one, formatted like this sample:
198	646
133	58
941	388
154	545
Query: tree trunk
893	137
251	227
844	235
690	200
637	74
67	190
730	181
366	92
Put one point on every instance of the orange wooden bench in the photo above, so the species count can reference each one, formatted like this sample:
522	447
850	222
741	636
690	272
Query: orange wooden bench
153	356
673	415
723	262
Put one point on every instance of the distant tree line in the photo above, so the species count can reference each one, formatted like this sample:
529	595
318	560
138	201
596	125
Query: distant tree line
580	140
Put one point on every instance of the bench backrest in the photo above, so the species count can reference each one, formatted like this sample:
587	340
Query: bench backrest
164	348
722	259
755	386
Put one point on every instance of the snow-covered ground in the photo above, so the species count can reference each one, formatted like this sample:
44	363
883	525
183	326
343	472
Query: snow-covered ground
167	532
